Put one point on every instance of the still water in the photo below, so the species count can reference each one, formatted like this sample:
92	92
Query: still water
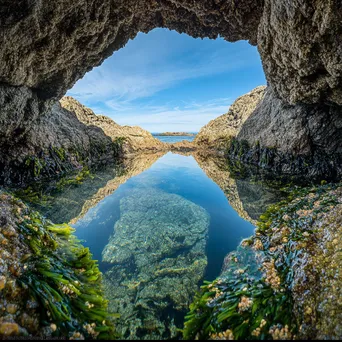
157	237
159	226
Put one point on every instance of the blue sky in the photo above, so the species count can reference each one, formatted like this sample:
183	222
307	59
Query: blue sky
166	81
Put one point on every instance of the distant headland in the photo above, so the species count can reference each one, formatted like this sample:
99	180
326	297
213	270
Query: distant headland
181	134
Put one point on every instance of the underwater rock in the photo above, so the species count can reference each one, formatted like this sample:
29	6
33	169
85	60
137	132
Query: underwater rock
157	256
131	167
296	250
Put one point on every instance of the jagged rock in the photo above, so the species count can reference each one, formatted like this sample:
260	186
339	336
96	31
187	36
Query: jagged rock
218	132
136	139
301	129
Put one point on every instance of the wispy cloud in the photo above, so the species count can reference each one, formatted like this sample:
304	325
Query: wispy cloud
186	116
126	87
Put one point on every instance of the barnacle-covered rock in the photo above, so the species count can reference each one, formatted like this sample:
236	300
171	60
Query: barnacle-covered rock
288	289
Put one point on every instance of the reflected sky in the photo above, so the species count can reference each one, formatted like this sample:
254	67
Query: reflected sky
179	175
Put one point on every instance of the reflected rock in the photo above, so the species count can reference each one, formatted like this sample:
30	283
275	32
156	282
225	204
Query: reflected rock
157	258
132	167
248	199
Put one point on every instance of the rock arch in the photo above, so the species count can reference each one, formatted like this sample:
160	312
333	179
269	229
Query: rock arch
49	45
46	46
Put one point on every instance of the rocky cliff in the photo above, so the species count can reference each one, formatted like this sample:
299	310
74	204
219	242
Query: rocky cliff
219	132
66	137
48	46
134	139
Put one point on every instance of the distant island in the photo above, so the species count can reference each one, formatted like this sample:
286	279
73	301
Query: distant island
181	134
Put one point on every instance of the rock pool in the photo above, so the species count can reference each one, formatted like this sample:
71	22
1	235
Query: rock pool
159	226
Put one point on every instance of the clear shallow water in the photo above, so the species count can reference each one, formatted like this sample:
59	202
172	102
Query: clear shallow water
159	225
157	237
173	174
174	139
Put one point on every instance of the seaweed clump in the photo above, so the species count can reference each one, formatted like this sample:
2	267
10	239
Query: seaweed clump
284	282
50	285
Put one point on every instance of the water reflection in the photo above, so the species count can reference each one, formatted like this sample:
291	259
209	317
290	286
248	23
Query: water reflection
159	227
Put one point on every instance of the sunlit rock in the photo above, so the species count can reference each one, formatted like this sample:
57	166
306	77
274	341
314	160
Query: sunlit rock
218	133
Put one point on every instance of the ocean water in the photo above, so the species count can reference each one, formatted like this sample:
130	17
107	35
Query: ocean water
173	139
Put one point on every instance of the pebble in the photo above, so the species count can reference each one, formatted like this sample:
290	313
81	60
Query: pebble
8	329
2	282
12	308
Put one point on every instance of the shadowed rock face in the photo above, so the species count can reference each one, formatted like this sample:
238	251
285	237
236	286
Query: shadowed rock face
302	129
83	33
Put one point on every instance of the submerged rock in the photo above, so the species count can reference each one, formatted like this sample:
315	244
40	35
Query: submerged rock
157	257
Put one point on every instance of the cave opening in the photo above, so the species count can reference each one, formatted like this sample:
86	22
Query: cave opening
164	81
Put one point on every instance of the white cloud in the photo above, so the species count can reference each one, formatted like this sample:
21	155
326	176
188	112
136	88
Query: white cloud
188	117
126	86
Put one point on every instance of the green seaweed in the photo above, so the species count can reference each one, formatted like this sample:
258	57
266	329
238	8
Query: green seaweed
65	280
215	309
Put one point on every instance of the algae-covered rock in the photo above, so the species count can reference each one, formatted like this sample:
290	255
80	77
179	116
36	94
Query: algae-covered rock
157	256
49	284
298	296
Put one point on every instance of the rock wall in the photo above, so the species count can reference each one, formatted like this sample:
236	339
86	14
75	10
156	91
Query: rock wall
48	46
218	132
53	143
